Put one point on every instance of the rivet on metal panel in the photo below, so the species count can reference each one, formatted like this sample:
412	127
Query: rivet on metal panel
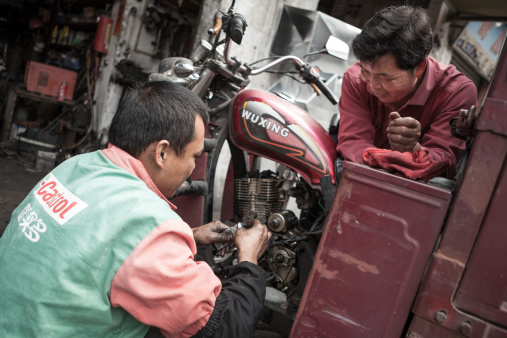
440	316
465	328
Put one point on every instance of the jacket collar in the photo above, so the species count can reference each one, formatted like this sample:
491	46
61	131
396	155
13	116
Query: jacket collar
131	164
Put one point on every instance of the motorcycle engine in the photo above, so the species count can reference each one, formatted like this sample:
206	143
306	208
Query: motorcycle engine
264	196
258	197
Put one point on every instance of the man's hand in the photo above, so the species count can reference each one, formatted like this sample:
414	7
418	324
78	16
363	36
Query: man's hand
252	242
211	233
403	133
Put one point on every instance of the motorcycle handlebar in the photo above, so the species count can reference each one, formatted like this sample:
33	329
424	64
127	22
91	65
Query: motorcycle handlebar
288	58
310	74
326	91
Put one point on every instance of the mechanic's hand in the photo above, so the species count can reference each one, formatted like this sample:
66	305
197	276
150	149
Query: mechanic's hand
225	250
252	242
211	233
403	133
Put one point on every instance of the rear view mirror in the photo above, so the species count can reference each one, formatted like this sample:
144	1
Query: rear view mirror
337	47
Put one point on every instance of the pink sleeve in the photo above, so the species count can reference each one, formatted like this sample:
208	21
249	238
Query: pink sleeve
161	285
357	132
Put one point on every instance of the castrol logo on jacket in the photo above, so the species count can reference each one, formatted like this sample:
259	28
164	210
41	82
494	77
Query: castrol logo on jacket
57	200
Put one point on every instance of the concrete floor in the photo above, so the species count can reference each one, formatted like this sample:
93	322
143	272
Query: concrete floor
16	180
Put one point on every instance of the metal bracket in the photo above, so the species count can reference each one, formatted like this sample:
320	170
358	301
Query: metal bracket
463	126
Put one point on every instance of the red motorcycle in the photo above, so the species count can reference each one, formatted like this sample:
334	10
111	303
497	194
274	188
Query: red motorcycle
376	255
260	124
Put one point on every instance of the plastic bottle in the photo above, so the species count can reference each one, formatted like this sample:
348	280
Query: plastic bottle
62	91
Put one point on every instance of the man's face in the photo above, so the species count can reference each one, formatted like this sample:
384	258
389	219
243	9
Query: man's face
388	82
178	168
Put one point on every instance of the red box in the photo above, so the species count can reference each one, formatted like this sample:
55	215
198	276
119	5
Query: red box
45	79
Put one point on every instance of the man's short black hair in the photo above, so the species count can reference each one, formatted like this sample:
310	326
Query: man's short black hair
404	31
156	111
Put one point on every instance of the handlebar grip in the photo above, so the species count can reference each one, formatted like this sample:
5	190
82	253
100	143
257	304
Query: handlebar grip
326	91
217	27
316	89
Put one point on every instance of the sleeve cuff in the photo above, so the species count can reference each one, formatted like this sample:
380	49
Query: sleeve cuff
239	304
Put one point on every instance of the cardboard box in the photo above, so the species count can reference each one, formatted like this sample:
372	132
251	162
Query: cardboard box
45	79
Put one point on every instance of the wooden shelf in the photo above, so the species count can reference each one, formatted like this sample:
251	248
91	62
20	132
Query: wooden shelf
17	92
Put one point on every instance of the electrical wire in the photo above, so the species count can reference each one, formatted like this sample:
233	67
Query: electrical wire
286	74
265	59
286	241
318	222
320	205
219	108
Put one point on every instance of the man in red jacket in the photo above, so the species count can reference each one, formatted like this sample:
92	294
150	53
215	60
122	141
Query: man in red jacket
397	97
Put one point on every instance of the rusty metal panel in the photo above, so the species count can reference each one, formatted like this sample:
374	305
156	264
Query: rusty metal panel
372	255
493	112
421	328
471	210
483	289
448	263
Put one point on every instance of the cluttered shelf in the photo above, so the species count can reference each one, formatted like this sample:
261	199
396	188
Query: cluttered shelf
50	76
19	91
42	127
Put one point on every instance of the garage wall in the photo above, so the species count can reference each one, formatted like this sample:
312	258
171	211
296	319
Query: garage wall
262	17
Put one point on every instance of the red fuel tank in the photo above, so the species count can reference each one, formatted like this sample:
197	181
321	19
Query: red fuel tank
264	124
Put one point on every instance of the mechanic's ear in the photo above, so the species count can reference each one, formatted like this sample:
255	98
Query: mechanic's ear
420	68
162	152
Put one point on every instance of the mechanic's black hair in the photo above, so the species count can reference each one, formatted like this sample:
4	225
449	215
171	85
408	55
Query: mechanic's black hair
155	111
404	31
